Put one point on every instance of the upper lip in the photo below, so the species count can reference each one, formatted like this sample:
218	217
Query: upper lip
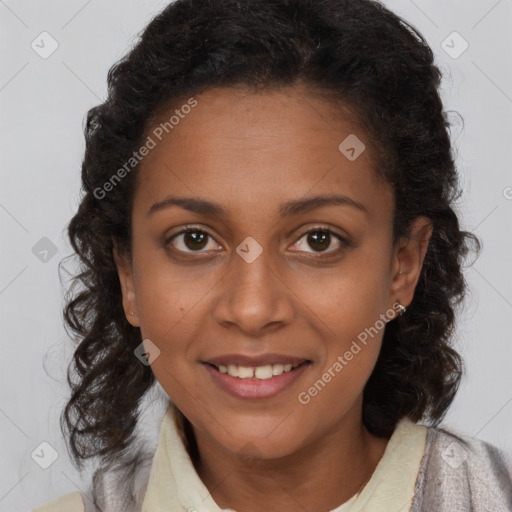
260	360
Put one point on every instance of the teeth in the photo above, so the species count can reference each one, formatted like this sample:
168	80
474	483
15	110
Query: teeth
245	372
233	370
277	369
263	372
259	372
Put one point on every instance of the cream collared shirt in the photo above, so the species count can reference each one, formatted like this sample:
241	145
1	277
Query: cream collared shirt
174	485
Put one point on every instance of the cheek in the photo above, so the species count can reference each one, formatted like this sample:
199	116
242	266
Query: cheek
347	299
170	298
350	311
350	351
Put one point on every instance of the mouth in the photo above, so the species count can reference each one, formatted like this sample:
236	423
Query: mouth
245	378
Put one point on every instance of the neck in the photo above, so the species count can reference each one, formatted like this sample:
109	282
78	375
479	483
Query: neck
317	477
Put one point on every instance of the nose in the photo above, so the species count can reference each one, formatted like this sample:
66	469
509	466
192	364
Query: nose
254	299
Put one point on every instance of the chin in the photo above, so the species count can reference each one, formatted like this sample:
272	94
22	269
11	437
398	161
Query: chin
261	442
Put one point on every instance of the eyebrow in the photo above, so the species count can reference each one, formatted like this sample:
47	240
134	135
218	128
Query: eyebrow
293	207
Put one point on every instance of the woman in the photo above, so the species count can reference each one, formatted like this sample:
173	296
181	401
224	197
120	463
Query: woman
268	237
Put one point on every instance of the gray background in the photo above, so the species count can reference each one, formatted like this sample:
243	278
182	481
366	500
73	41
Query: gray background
43	103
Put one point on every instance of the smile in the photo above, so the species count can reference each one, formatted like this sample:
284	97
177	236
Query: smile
259	372
251	382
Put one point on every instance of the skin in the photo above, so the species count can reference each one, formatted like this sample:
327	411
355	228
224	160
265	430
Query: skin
250	152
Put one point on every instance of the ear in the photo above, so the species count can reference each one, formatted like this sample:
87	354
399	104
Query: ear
408	261
124	271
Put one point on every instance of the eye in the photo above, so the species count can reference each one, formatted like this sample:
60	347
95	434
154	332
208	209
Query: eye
192	240
321	240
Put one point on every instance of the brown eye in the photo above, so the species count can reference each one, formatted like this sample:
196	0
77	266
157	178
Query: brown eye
322	241
192	240
195	240
319	240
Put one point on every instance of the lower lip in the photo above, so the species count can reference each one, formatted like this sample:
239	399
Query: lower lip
256	388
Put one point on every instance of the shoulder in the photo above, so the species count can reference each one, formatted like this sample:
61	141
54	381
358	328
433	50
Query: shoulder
459	452
71	502
463	473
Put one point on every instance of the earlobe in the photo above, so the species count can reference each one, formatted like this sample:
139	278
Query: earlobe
124	272
408	262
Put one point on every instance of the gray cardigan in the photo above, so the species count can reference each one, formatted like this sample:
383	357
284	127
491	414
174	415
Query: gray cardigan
461	474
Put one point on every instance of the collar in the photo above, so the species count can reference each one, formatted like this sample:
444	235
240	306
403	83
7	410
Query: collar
175	485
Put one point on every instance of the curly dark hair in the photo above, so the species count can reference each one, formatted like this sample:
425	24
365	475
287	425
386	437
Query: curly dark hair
355	53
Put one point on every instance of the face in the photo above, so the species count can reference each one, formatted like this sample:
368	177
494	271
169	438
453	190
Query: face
287	260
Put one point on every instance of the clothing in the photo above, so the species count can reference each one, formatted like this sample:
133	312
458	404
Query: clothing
422	469
462	474
391	484
72	502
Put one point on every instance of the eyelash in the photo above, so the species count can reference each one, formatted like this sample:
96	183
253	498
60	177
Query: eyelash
344	243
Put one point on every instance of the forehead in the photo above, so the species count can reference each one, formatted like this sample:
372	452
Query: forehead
258	148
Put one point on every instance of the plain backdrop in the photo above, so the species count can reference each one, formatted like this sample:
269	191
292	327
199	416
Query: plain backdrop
43	102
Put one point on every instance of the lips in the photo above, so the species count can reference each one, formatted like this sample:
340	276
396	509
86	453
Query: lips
257	381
